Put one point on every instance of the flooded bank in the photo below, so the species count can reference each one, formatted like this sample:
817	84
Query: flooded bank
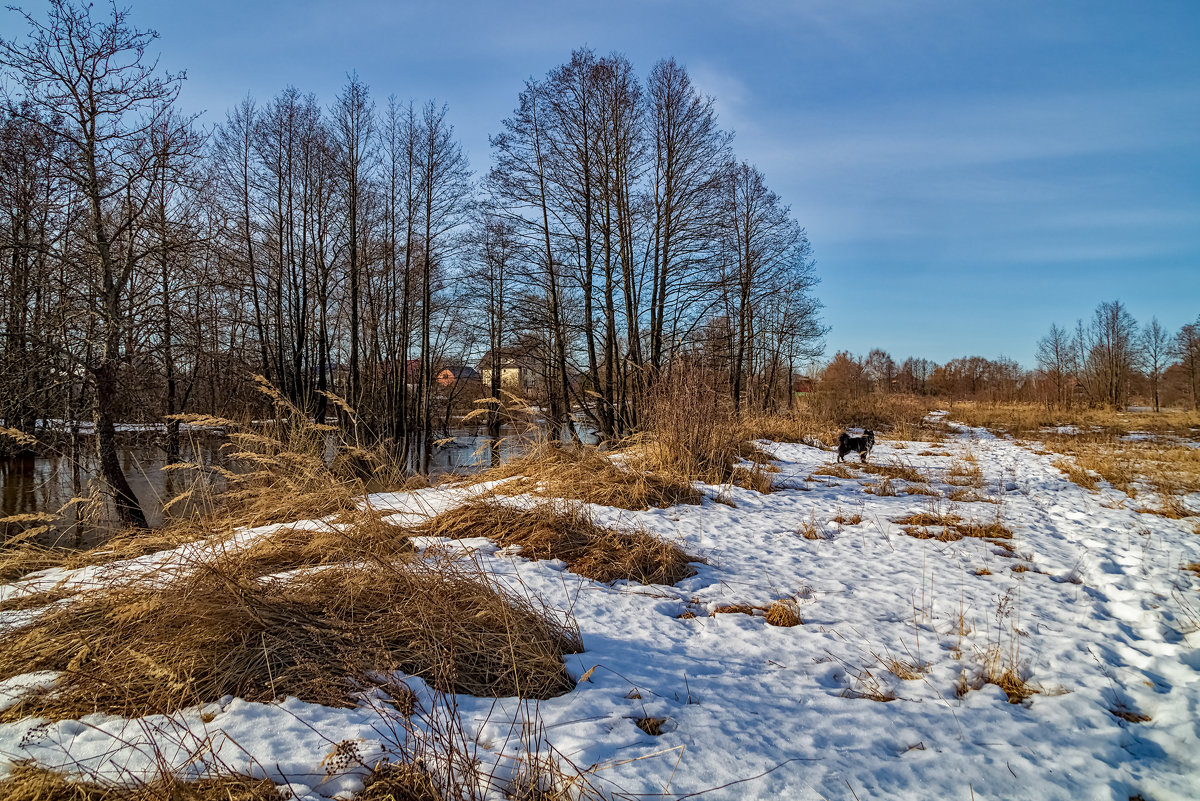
46	483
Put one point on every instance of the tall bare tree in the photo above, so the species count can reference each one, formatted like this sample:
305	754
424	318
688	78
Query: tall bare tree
88	81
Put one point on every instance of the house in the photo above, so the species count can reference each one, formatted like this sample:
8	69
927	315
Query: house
454	374
519	371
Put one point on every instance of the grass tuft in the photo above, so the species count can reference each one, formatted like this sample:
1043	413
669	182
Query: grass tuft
587	474
566	531
319	635
28	782
784	614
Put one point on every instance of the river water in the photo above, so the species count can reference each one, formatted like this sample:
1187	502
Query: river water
45	483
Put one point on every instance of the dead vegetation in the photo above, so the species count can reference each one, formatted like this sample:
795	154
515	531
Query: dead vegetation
947	527
1134	452
895	470
783	612
588	474
28	782
1001	671
822	416
320	635
558	530
652	726
1129	716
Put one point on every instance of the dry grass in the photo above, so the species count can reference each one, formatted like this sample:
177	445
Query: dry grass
904	669
1005	676
836	470
812	530
735	609
399	782
1100	447
965	473
1129	716
1027	419
35	600
28	782
971	495
884	489
848	520
319	635
755	479
1077	474
690	429
566	531
947	527
652	726
590	475
784	614
867	685
896	470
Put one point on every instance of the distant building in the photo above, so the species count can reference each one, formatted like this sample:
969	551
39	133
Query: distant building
518	370
455	374
803	385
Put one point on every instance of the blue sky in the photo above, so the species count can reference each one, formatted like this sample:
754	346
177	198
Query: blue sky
968	172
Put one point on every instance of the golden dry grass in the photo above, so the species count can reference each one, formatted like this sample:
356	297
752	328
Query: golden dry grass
884	489
1026	419
783	614
965	473
216	630
398	782
848	520
28	782
946	527
836	470
1101	447
566	531
822	416
590	475
1129	716
755	479
896	470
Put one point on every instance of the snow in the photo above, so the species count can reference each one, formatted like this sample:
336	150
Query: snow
1102	619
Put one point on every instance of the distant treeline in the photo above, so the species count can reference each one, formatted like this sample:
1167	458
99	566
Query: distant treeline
1107	361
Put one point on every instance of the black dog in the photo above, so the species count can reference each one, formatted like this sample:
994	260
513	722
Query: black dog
861	445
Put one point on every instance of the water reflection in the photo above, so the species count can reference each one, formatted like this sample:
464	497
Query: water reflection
33	483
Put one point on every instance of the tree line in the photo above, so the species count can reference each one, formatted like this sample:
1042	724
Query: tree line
1108	360
152	267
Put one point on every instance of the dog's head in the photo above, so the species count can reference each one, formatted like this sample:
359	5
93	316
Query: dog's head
870	435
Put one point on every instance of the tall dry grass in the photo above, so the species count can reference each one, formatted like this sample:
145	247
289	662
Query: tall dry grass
218	629
821	417
557	530
28	782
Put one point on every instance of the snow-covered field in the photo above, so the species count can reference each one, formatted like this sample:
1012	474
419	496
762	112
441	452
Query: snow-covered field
1098	617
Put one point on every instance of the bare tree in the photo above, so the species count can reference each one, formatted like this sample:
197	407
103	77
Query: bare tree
1111	346
89	82
1056	360
690	152
354	120
1186	348
1154	348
